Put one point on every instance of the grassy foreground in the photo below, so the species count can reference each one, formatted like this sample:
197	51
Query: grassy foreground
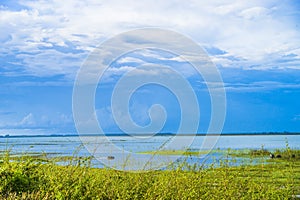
31	178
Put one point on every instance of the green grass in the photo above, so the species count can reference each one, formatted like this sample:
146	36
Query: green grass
31	178
249	153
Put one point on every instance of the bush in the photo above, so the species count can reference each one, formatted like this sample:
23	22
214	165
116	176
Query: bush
18	177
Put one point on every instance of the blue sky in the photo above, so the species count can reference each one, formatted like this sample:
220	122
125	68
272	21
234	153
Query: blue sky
255	45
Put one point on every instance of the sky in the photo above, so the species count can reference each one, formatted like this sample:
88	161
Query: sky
254	44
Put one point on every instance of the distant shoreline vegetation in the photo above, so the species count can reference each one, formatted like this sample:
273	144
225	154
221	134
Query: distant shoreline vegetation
158	134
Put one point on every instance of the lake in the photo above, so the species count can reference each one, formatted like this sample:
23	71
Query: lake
123	148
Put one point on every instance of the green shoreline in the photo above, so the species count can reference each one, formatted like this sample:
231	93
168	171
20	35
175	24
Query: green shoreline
232	152
27	177
158	134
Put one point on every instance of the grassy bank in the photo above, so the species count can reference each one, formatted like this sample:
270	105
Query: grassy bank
32	178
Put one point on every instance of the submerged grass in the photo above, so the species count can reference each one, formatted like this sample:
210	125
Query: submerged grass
30	178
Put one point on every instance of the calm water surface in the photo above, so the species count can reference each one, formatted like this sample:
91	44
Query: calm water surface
70	145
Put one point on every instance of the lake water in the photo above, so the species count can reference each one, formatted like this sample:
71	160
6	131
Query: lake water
125	146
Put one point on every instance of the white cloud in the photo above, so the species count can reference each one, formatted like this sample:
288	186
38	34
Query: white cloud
51	62
130	59
255	13
112	72
34	121
28	120
25	131
254	31
259	85
254	86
